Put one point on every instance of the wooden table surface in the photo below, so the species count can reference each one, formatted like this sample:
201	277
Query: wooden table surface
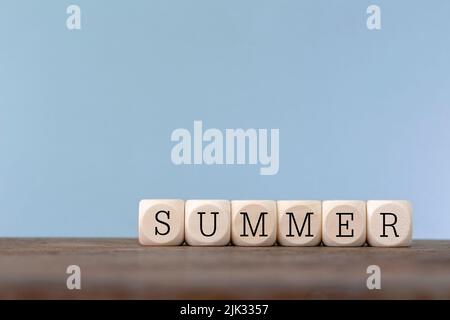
122	269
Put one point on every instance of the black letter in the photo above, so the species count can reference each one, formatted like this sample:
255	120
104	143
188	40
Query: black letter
388	225
201	223
291	217
261	216
165	223
340	214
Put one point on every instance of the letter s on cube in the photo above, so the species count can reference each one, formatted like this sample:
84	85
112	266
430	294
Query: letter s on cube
161	222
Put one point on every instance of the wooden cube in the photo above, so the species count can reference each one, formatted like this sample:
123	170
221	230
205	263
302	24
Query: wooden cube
389	223
299	223
161	222
344	223
207	222
253	223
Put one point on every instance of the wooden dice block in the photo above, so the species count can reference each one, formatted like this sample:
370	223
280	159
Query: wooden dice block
161	222
344	223
207	222
253	223
389	223
299	223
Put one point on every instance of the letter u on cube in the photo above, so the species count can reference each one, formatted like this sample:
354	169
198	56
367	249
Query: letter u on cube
171	222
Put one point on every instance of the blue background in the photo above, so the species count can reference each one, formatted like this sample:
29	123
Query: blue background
86	116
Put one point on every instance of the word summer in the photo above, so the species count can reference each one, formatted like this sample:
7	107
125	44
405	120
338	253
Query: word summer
382	223
236	146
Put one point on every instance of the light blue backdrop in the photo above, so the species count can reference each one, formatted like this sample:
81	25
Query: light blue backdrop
86	116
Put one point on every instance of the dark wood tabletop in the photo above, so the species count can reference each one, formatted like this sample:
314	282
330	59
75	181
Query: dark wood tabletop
123	269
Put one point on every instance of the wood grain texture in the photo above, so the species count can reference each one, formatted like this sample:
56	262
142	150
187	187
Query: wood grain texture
122	269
